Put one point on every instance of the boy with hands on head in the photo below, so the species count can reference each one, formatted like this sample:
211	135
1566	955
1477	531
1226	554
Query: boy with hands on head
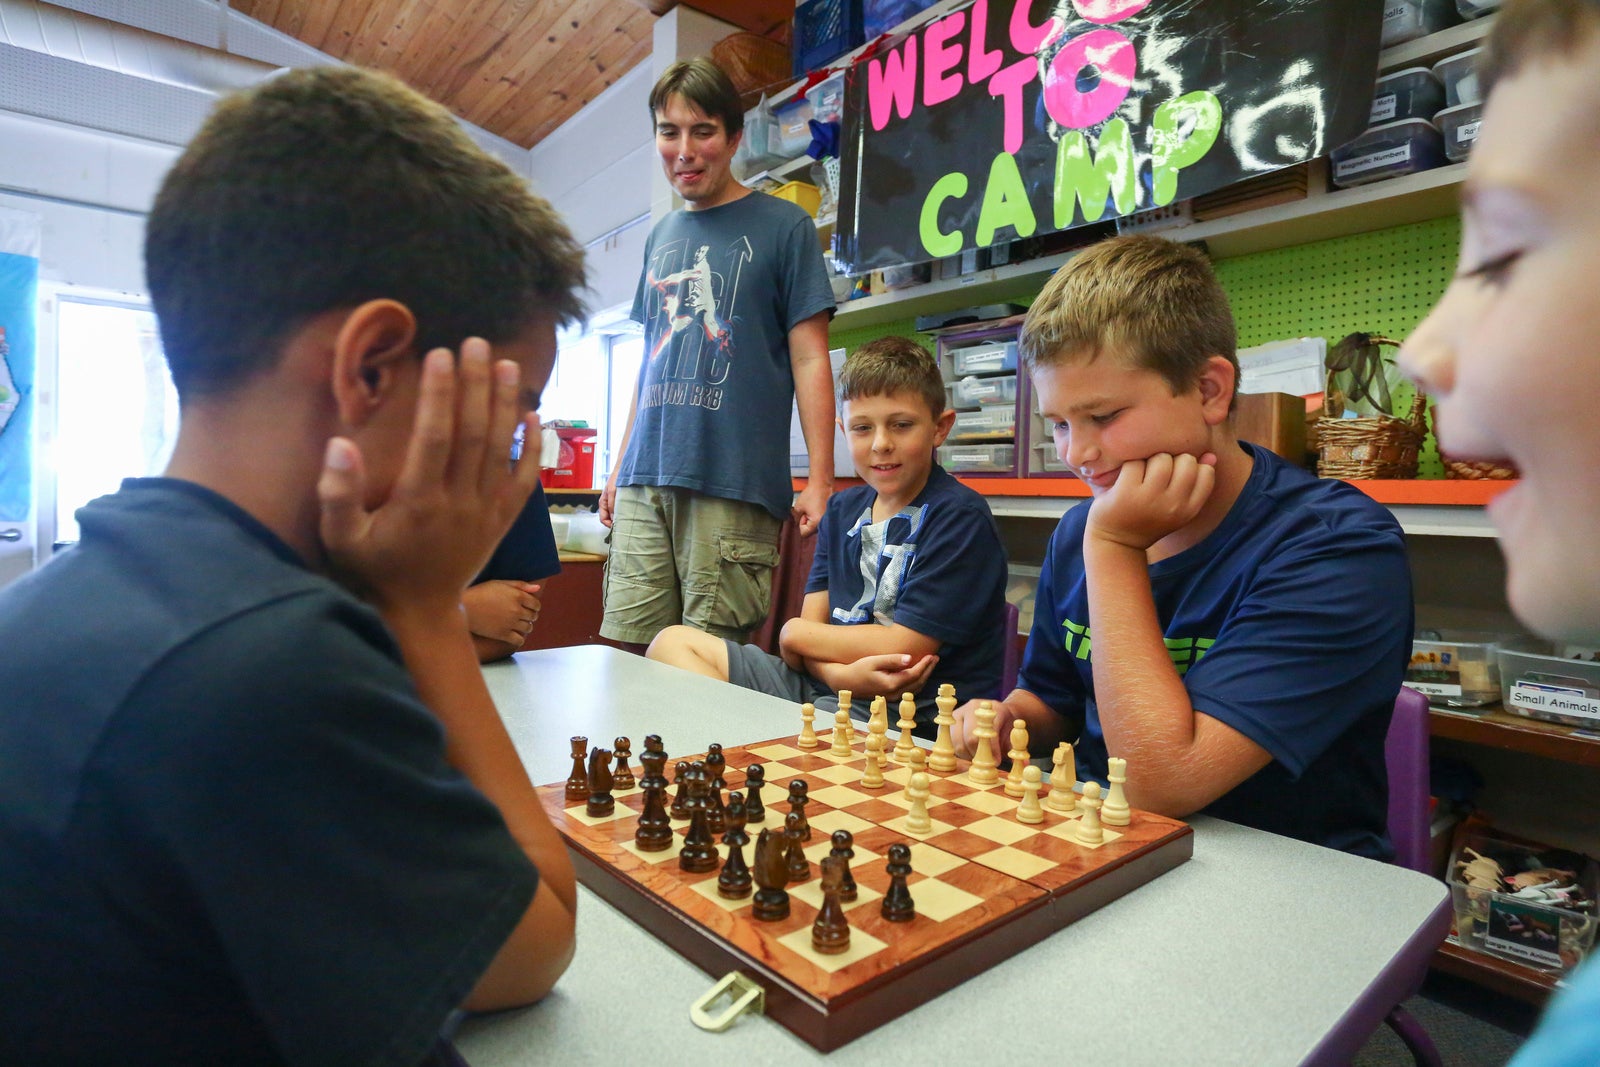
1233	627
280	820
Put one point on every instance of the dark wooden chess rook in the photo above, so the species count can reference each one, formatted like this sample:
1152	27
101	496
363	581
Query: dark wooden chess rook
655	827
771	902
623	775
844	851
578	780
699	852
680	791
735	880
795	854
830	931
897	904
600	802
755	776
797	805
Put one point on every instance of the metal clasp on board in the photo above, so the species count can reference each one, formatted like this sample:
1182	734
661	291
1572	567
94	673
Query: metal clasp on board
743	995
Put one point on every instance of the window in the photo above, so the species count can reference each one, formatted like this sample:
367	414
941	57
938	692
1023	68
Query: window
593	381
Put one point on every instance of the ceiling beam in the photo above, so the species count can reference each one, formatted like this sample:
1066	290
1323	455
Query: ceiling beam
757	16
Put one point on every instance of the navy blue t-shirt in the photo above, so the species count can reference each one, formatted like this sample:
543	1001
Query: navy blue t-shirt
528	550
1291	623
936	567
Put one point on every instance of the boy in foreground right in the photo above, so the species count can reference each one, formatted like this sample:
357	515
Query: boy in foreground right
1507	353
1232	626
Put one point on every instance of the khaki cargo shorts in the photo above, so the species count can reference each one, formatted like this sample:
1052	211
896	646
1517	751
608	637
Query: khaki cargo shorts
678	556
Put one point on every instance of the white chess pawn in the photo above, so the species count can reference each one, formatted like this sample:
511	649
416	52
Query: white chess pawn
841	733
1089	830
808	734
943	758
906	724
1030	811
917	819
1019	757
1115	811
1063	779
872	777
918	764
985	769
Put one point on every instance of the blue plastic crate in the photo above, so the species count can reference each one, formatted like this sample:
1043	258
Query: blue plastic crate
881	16
824	30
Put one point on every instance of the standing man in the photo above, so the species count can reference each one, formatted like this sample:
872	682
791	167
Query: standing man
735	302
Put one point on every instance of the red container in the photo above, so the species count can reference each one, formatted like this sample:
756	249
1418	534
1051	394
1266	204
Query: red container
574	468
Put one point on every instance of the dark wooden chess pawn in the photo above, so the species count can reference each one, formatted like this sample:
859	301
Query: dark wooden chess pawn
578	780
655	827
797	806
716	762
771	874
735	880
755	776
795	854
844	851
699	852
600	802
830	931
680	790
716	811
897	905
623	776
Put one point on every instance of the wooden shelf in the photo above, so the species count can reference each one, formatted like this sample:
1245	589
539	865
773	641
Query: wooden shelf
1502	976
1513	733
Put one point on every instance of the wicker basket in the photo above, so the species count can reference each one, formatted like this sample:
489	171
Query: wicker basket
1472	470
754	64
1373	446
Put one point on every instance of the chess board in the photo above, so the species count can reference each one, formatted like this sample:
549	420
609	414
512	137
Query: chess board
985	885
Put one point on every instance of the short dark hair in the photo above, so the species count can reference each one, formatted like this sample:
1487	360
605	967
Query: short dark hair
1527	30
892	365
327	187
1155	301
703	84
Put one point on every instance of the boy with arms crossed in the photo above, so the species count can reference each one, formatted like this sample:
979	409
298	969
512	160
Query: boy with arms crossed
1506	353
1232	626
274	816
909	570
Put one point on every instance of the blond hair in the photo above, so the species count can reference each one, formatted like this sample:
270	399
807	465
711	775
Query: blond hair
892	365
1531	30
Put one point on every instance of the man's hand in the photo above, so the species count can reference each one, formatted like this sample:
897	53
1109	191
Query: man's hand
810	506
454	499
1152	498
502	610
964	732
884	675
608	502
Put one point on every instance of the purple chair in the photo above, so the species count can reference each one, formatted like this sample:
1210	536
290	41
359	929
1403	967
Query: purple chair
1012	657
1406	758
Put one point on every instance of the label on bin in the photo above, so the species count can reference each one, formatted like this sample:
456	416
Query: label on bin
1383	109
1467	131
1554	698
1525	931
1393	157
1434	689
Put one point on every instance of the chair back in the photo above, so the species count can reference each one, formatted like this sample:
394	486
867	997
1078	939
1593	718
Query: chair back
1012	659
1406	756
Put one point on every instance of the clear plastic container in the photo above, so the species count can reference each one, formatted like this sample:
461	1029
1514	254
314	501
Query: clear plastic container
1476	9
969	459
1459	127
1539	934
1046	458
1022	586
1406	20
985	358
1538	685
1388	151
790	135
985	422
1455	668
1413	93
827	98
1459	74
969	391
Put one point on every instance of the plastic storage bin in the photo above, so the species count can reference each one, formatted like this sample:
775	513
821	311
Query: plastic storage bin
1552	688
968	459
985	359
790	135
1406	20
805	194
1500	922
1476	9
827	98
824	30
1459	127
1459	75
970	391
1455	668
1022	586
1413	93
1388	151
985	422
881	16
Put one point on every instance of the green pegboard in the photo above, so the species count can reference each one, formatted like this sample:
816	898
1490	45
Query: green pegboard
850	340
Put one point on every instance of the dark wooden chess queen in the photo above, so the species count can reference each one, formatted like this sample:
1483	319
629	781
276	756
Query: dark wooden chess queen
655	827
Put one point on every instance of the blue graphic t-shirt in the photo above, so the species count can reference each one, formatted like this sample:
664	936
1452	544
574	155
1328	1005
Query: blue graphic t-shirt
1290	622
936	567
720	291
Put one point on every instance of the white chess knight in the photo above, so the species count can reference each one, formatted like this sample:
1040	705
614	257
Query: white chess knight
1063	781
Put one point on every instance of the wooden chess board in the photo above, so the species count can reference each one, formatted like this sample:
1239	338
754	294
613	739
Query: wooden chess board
986	886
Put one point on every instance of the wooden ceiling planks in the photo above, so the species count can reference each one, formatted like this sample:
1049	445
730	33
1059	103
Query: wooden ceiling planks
518	68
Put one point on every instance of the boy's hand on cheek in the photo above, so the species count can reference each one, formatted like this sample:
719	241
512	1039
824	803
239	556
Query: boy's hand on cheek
1152	498
455	497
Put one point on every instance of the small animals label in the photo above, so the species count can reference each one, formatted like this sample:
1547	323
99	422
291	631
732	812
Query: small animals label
1555	700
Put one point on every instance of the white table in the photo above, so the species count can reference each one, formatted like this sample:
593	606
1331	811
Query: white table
1253	952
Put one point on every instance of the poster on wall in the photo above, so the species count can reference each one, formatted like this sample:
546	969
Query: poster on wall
1006	119
19	288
